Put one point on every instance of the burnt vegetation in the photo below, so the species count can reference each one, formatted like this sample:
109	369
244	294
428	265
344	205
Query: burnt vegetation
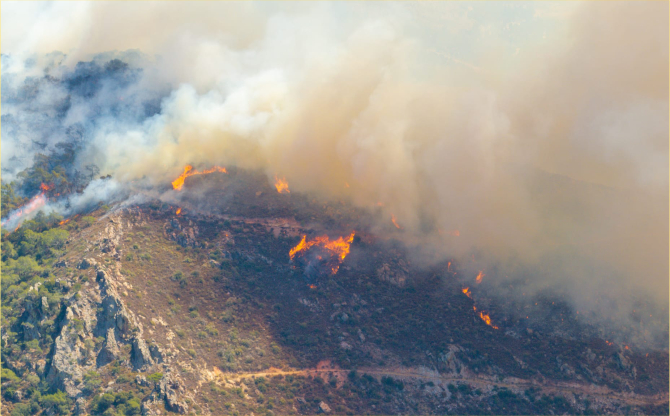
214	289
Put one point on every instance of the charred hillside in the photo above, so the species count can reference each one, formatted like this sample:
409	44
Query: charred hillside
233	298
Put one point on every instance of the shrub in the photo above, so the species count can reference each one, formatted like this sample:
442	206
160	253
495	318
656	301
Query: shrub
57	403
92	382
155	377
87	221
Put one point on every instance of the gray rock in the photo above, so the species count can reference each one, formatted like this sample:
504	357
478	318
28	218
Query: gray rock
61	263
110	349
324	408
65	372
142	381
80	406
151	405
86	263
157	353
140	356
168	389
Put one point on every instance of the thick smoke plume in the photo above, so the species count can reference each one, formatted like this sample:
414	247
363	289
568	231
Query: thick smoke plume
546	147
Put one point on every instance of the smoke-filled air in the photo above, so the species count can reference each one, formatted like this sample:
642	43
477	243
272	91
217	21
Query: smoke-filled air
528	140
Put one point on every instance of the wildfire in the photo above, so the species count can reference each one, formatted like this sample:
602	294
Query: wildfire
178	211
44	187
487	319
281	185
312	286
339	247
64	222
467	292
479	277
455	233
188	171
38	201
395	223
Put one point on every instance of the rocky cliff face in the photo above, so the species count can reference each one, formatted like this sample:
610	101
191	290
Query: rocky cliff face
96	328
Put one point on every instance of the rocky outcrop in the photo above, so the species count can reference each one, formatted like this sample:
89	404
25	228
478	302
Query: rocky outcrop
157	353
448	361
62	263
113	313
185	236
167	392
110	349
69	357
99	311
87	263
394	275
36	309
140	357
324	408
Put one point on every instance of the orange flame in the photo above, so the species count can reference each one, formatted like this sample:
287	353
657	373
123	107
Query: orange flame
455	233
44	187
188	171
339	247
467	292
479	277
64	222
487	319
312	286
346	184
281	185
395	223
178	211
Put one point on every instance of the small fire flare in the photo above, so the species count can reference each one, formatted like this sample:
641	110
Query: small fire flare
395	222
479	277
188	171
467	292
178	211
281	185
487	319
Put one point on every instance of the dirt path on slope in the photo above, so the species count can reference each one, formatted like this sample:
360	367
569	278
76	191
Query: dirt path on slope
325	368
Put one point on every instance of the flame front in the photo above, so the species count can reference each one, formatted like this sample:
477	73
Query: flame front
178	211
188	171
281	185
339	247
479	277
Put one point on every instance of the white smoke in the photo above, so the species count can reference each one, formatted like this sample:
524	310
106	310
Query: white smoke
532	149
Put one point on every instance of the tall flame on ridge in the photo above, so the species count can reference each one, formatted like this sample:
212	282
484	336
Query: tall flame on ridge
188	171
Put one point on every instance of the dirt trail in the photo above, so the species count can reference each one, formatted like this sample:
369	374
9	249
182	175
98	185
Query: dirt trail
593	391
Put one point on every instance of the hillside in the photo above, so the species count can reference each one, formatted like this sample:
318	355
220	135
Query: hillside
140	309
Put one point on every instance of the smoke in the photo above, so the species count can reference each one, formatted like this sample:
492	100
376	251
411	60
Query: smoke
541	137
